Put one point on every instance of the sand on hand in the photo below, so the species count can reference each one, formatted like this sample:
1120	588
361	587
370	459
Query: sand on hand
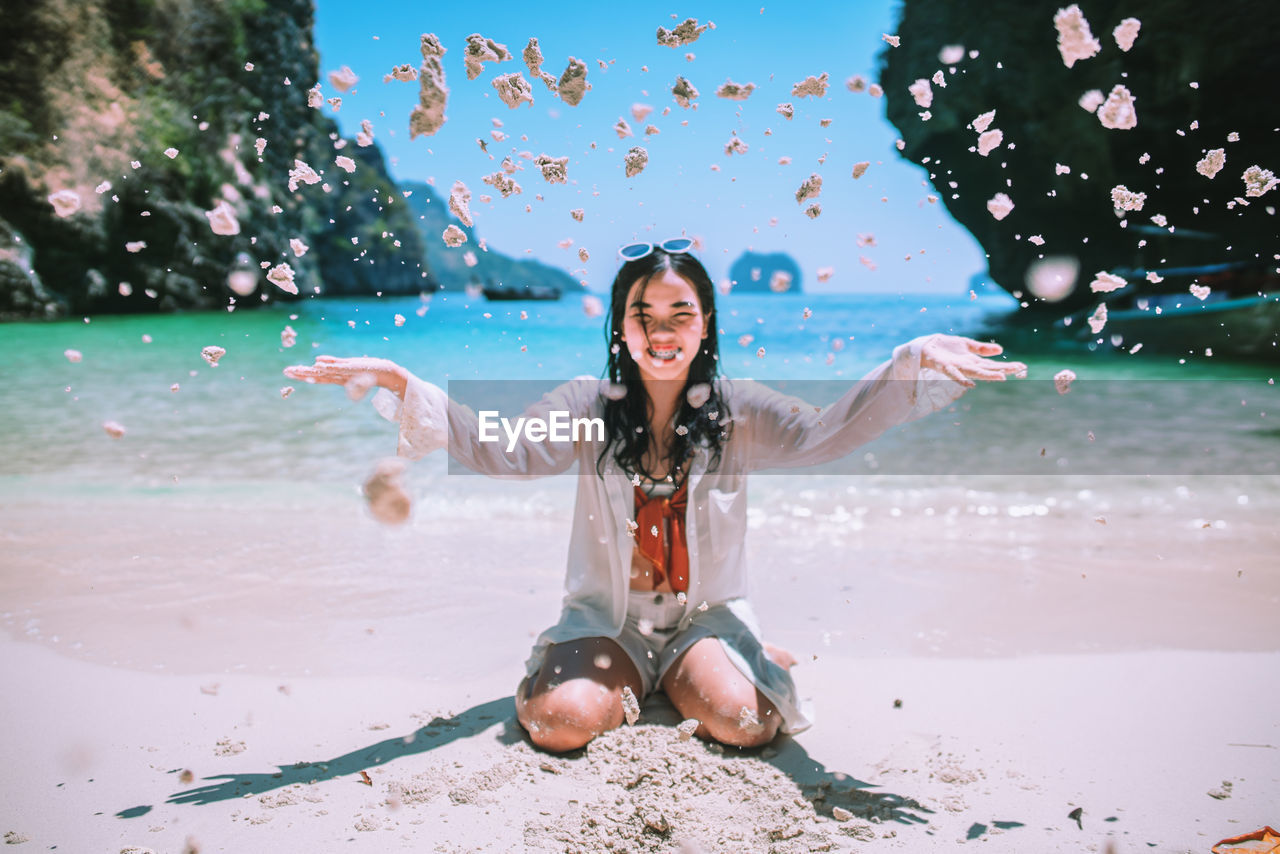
428	114
65	202
460	203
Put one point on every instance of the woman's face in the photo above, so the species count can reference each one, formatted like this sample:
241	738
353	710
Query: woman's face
670	314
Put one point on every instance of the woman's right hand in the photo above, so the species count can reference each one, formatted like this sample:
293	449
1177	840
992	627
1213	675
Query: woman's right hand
356	374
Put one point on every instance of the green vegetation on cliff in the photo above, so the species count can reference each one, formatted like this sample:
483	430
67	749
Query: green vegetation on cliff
93	89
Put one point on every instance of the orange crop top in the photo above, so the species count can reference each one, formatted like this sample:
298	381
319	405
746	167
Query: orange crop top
667	558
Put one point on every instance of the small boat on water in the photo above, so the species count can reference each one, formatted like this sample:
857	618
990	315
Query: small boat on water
1237	315
523	292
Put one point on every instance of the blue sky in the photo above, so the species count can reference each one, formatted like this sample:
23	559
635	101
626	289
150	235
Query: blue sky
773	46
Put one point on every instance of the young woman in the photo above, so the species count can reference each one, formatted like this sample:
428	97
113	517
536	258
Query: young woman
656	584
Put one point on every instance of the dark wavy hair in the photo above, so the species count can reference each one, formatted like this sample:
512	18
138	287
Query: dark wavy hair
626	420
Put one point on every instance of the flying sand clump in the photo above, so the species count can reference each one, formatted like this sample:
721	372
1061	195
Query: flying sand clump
573	84
684	92
811	87
735	91
428	114
281	275
389	502
635	160
453	236
513	89
533	60
1075	40
1213	161
810	188
480	50
554	169
460	203
1000	205
65	202
1118	112
686	32
503	183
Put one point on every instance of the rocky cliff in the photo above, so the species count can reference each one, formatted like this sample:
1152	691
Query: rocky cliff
1199	74
151	112
449	267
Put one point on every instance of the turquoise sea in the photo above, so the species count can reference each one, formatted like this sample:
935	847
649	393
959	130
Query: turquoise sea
230	507
228	427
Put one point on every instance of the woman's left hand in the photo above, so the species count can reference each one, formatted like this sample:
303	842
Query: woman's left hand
963	359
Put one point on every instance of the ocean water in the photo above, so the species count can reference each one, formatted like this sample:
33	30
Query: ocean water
226	530
1134	423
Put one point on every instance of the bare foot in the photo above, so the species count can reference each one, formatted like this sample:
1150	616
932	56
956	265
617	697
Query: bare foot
781	657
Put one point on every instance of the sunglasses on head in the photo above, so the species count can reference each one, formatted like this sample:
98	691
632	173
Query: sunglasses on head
636	251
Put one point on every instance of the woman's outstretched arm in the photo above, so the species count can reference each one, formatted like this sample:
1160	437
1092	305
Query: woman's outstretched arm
925	374
429	420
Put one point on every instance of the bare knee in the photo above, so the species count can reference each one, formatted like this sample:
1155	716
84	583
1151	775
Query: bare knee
743	722
567	716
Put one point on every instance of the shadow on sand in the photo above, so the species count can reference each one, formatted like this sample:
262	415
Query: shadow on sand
826	788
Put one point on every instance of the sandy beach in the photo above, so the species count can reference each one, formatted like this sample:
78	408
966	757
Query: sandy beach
182	673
